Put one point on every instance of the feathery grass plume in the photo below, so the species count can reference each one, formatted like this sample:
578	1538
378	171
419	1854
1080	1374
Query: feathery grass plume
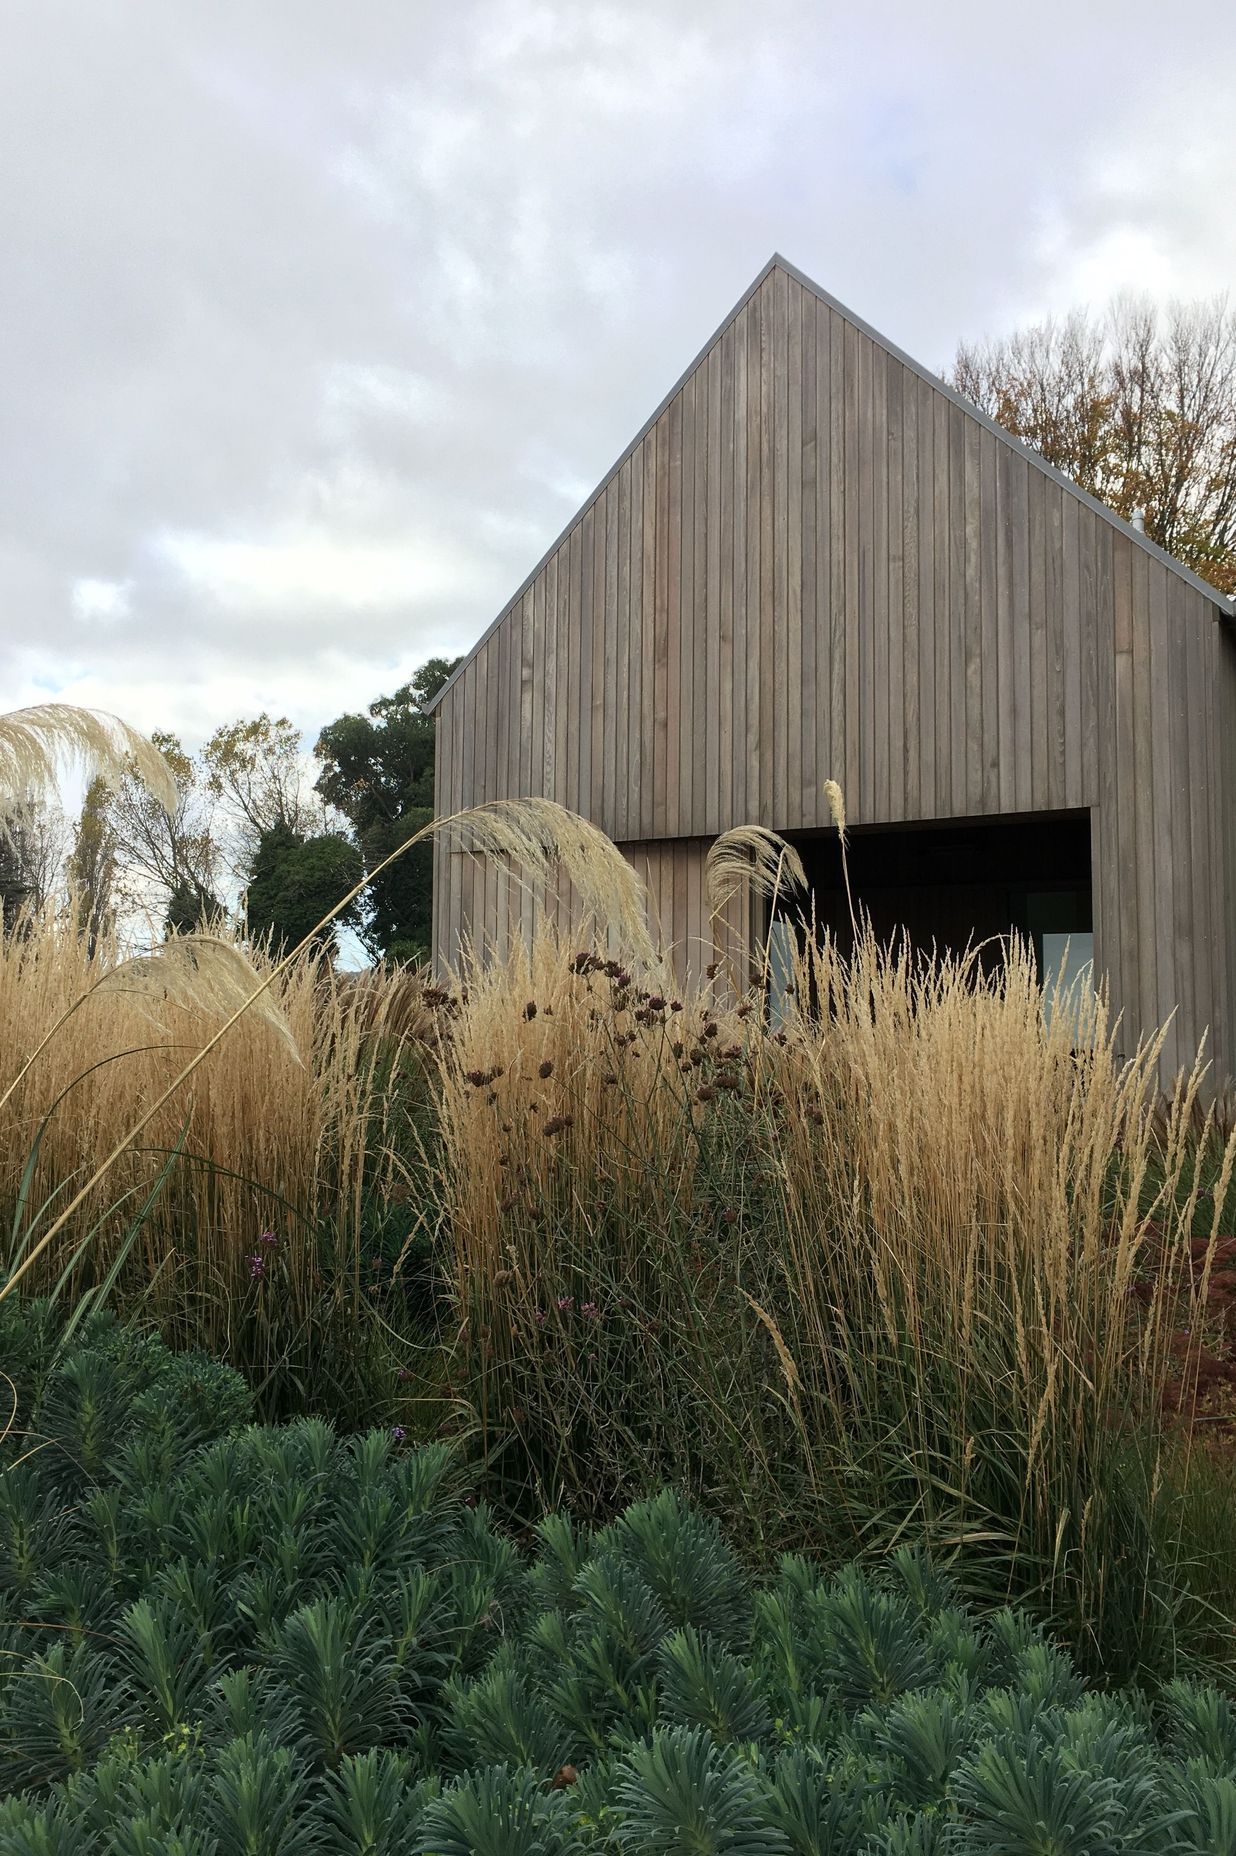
541	840
35	742
750	857
324	1153
747	861
198	973
535	833
836	807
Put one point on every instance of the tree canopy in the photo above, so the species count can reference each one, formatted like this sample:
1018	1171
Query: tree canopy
1136	405
377	769
295	881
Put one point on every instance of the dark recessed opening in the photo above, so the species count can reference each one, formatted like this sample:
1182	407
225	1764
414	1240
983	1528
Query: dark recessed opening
960	883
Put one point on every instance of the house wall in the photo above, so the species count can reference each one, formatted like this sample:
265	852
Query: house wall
483	906
814	563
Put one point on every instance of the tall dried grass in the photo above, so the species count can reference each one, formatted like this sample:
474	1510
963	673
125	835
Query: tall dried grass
918	1263
300	1125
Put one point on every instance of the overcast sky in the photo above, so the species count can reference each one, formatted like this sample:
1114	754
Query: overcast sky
318	320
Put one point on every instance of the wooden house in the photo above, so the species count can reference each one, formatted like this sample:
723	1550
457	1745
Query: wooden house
818	561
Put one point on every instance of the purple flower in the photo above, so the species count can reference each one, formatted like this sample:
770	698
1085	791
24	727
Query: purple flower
267	1237
398	1433
257	1266
540	1317
404	1373
565	1303
590	1311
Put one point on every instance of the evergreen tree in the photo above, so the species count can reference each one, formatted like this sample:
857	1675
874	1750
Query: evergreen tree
377	769
295	881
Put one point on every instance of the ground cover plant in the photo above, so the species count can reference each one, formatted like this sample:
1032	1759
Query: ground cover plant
223	1638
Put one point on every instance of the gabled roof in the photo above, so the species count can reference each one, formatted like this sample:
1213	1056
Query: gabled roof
1224	608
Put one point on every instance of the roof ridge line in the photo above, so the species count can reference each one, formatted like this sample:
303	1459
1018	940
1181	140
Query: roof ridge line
764	272
1226	608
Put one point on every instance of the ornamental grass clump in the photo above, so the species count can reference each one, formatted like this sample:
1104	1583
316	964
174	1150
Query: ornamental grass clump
923	1259
303	1124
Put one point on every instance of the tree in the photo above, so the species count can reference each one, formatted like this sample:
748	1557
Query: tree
168	859
295	881
257	773
377	770
92	864
32	847
1137	407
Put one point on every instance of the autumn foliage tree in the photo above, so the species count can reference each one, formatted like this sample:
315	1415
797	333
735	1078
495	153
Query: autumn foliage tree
1136	405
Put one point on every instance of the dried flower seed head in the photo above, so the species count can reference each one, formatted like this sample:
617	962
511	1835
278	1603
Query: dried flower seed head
558	1124
530	1009
546	1069
705	1093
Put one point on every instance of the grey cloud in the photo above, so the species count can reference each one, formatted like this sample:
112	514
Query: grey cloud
315	322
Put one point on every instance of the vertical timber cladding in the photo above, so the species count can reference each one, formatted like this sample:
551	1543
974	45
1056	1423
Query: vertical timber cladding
814	563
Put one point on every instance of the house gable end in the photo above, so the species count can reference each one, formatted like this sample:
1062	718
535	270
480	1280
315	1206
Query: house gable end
1222	608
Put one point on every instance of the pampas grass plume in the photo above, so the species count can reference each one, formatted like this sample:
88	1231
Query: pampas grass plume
36	742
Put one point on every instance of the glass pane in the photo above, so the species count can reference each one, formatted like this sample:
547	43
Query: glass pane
782	945
1068	973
